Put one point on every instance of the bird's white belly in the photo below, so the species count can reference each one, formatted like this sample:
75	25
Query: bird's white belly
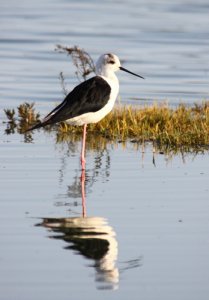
94	117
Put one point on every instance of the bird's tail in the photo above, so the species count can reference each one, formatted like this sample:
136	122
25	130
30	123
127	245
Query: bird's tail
39	125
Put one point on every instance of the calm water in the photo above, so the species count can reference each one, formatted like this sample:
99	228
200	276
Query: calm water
145	232
139	224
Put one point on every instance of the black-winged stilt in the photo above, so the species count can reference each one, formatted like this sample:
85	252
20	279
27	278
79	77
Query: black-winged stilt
91	100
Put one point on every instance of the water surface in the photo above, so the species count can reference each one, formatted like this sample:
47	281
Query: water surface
138	226
145	230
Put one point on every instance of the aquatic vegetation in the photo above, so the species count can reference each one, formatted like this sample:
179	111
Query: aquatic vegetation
20	120
182	127
179	127
24	117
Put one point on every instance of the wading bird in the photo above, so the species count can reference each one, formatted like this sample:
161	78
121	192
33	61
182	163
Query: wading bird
91	100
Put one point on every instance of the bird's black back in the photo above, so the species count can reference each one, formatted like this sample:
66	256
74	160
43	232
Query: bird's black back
89	96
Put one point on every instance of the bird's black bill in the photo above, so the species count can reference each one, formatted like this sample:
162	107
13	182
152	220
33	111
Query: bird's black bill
125	70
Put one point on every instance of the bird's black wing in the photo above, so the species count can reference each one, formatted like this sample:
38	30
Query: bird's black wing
89	96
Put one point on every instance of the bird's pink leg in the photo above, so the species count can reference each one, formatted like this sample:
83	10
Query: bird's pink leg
83	178
83	161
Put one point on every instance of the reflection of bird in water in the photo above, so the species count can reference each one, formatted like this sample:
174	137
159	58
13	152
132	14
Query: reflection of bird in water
94	239
90	101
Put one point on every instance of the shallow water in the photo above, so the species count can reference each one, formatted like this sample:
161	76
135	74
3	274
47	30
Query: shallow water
138	225
145	230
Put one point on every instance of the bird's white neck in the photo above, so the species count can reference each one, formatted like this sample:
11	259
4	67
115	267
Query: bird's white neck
112	80
107	73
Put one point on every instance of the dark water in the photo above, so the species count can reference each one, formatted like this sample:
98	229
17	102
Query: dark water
138	226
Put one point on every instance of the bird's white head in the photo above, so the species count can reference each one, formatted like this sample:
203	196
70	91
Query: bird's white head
108	64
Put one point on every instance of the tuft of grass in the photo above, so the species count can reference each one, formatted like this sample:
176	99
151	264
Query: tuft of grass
172	127
178	128
21	119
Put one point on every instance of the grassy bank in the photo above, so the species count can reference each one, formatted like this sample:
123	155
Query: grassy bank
178	127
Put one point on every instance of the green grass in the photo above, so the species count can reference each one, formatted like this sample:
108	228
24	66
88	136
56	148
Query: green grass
182	127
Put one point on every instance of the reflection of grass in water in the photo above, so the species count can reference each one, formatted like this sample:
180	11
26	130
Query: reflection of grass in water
181	128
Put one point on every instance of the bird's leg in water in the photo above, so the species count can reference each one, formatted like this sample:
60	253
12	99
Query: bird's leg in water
83	161
83	178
